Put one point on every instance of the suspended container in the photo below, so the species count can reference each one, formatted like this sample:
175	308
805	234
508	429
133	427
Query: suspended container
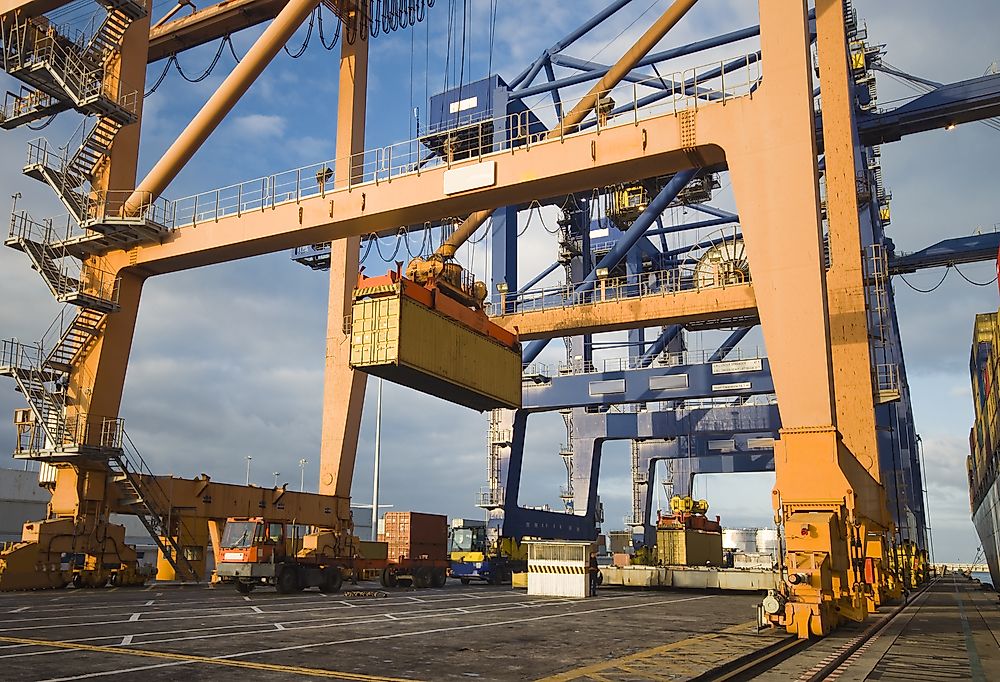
688	547
423	339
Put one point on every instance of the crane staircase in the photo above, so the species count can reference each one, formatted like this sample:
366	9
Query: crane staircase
62	71
65	69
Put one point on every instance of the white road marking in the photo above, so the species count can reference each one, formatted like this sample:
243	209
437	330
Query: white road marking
347	604
148	588
134	617
395	635
314	624
279	626
126	640
23	608
256	609
150	602
416	599
230	611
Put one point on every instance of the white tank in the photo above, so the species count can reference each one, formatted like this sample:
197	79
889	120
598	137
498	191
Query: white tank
742	539
767	541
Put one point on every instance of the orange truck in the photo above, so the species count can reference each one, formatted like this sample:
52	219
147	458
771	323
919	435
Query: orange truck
257	551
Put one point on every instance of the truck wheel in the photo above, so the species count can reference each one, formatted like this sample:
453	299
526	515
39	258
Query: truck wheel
496	578
421	578
388	578
465	581
244	588
287	581
439	578
332	580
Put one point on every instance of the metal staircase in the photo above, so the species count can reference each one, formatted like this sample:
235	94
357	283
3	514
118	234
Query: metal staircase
24	364
145	496
77	337
70	280
66	72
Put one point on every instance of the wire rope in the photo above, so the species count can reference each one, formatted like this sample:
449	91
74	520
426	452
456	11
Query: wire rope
305	42
977	284
927	291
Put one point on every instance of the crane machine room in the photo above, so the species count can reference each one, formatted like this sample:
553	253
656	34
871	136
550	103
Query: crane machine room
788	122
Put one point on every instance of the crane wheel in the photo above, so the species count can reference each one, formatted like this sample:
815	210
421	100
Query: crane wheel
332	580
244	588
439	578
466	581
288	581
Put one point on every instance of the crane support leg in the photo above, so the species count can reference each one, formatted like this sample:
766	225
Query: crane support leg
343	387
824	496
848	298
84	491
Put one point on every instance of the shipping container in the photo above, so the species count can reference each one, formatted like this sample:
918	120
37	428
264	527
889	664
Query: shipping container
401	339
687	547
412	535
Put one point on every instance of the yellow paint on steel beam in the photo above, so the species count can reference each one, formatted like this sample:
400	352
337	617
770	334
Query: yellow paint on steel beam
593	672
188	658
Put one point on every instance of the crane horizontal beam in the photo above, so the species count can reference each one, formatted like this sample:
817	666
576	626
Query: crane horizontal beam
722	304
205	25
971	249
970	100
555	167
648	384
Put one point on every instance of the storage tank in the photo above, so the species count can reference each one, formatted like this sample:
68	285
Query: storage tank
767	541
741	539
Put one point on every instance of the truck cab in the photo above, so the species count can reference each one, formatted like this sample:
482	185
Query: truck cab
257	551
475	555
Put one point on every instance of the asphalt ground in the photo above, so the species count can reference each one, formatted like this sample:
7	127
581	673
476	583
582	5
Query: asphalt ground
195	632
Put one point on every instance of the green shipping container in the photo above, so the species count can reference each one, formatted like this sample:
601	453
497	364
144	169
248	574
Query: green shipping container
682	547
398	339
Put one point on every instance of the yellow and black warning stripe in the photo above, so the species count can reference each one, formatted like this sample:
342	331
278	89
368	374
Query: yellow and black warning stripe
565	570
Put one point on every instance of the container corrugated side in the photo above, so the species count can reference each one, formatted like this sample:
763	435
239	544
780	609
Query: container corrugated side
407	343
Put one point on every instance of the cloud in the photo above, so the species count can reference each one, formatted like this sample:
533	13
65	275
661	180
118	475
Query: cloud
259	125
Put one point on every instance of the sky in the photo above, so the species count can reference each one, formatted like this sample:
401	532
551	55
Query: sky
227	360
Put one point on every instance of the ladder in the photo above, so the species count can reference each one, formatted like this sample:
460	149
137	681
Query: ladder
143	493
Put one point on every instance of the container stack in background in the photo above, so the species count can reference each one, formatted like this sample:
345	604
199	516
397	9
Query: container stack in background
413	535
984	438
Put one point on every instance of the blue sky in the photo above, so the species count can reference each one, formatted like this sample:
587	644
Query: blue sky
227	360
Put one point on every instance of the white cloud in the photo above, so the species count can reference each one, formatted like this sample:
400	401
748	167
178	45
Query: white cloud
256	126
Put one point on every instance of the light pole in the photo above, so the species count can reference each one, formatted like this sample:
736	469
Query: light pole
302	474
249	457
276	474
378	450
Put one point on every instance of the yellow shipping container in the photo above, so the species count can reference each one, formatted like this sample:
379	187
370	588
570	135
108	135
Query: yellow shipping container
685	547
403	341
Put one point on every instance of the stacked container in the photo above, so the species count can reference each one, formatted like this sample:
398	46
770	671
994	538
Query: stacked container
412	535
984	439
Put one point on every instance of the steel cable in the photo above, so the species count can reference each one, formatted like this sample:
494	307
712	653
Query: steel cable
927	291
978	284
305	43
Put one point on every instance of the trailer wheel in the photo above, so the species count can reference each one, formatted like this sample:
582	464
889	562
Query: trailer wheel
465	581
287	581
388	577
332	580
421	578
439	578
244	588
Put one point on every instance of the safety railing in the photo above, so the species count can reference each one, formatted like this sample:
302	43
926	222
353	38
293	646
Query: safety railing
109	207
631	103
24	103
490	498
603	365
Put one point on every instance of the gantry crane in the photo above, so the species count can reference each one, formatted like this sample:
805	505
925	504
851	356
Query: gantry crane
829	496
